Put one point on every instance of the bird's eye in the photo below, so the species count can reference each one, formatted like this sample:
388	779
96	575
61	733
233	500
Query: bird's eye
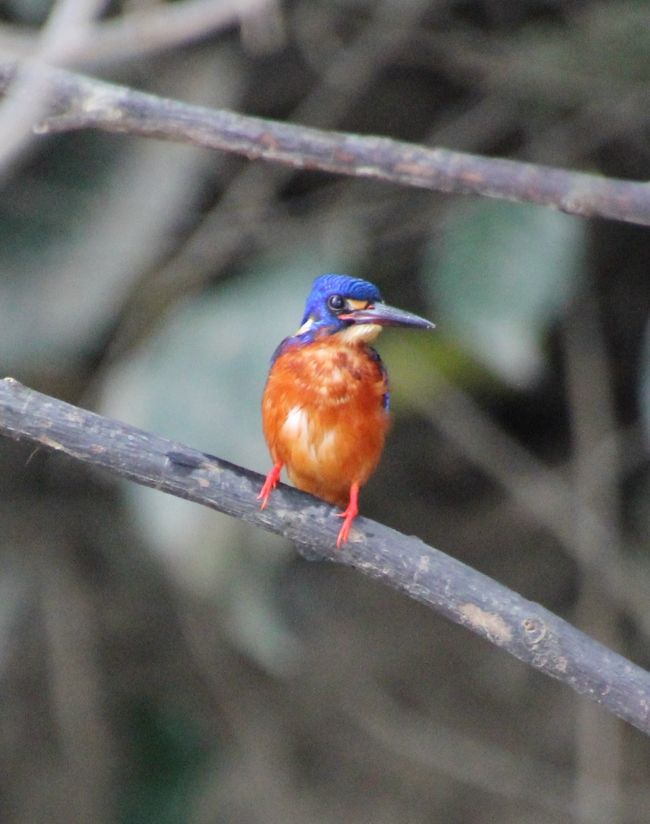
336	303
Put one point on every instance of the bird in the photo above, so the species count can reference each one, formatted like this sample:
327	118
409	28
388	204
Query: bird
326	402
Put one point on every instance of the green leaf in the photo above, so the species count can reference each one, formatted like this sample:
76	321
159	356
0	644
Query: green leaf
168	758
417	364
501	275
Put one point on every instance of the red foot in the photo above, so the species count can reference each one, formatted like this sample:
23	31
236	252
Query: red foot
348	516
269	484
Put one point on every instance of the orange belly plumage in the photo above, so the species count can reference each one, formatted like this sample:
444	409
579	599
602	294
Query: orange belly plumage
325	417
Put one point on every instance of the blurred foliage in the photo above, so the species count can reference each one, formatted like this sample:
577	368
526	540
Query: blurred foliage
501	276
644	397
168	753
85	219
423	363
608	43
27	11
159	662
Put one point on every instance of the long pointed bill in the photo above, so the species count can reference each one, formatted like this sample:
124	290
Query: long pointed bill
382	315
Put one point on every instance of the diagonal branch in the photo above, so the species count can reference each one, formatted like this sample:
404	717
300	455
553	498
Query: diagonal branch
77	102
524	629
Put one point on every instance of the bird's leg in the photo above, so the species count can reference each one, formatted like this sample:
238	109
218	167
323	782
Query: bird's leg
270	483
348	516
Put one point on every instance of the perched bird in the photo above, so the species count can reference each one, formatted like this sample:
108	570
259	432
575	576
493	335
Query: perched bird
325	408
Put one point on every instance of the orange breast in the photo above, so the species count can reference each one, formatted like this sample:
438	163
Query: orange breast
324	417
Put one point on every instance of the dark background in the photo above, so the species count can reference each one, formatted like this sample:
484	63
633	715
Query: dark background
161	663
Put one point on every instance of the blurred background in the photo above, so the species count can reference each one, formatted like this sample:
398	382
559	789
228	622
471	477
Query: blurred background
162	663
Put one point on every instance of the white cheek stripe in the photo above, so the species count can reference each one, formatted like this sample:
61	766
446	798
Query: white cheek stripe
307	325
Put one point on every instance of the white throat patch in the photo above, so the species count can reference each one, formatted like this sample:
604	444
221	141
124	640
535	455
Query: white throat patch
359	333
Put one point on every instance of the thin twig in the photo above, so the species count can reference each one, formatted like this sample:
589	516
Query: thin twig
595	487
78	102
29	100
139	33
524	629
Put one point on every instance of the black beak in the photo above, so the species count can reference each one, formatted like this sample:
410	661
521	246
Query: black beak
383	315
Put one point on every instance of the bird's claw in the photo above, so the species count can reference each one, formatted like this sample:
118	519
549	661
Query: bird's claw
344	532
269	485
348	516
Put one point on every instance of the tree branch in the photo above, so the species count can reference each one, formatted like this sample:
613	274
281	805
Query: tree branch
77	102
524	629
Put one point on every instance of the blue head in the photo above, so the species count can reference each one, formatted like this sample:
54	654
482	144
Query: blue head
338	302
350	308
331	299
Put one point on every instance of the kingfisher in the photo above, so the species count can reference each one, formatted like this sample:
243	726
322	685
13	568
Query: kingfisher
325	407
